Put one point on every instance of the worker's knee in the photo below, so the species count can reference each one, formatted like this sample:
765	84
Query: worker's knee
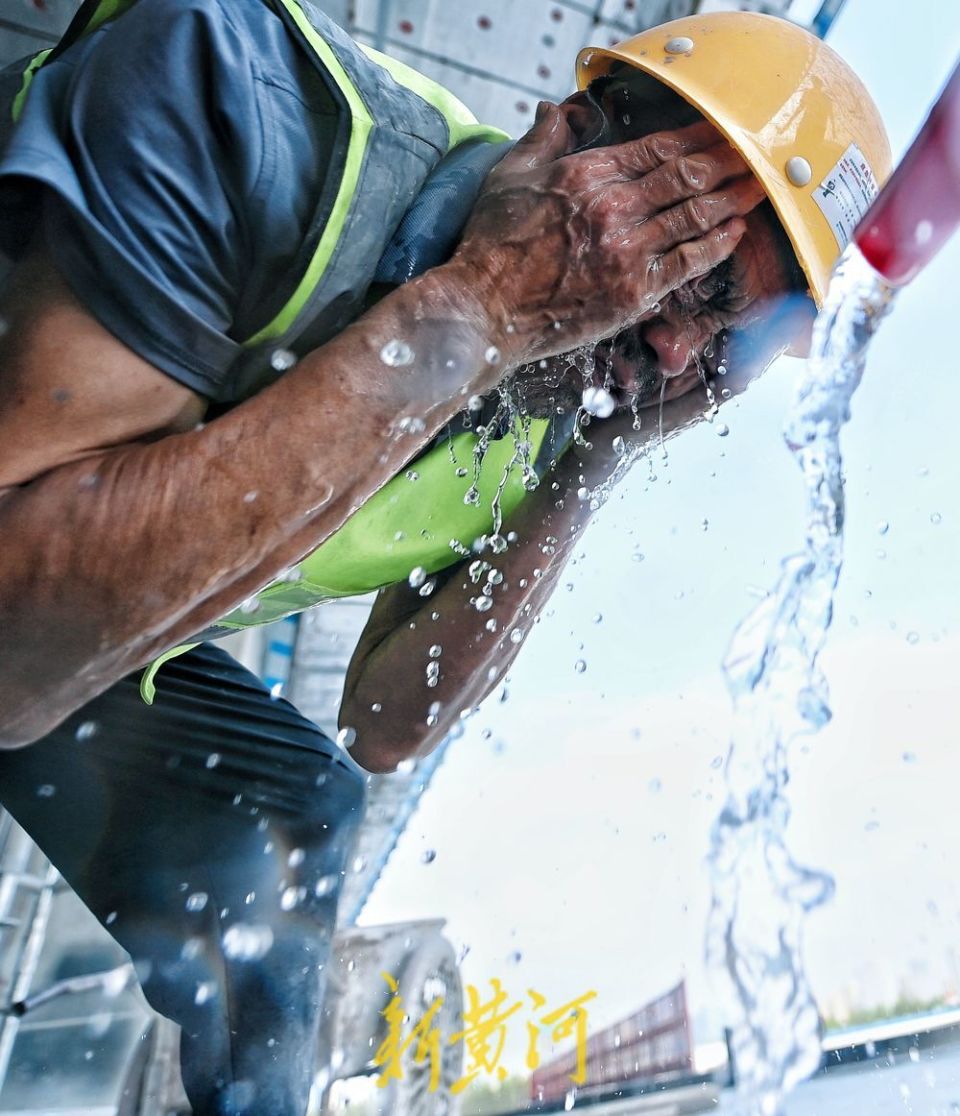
337	797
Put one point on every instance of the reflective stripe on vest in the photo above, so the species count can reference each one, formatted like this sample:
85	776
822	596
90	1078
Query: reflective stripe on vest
408	523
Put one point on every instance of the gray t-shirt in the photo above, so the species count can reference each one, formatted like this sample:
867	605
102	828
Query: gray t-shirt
175	159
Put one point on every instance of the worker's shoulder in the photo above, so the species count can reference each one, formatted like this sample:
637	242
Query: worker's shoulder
247	18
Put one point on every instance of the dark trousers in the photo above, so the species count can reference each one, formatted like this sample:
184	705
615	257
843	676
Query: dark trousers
209	834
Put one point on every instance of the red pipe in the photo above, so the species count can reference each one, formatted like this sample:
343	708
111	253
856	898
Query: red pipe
919	208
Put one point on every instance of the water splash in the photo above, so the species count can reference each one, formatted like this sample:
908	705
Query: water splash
761	896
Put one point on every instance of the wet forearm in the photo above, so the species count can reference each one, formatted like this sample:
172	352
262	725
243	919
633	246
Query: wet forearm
390	701
132	551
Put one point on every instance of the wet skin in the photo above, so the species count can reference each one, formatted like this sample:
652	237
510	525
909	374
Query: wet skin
671	348
102	460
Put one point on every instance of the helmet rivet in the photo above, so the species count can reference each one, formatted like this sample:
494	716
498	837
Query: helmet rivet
799	170
680	45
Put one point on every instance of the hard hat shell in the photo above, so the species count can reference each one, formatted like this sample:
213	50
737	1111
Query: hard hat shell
798	114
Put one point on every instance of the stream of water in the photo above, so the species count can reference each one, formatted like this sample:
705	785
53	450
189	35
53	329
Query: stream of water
761	896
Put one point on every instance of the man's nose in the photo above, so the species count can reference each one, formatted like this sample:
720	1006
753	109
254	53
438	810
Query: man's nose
676	342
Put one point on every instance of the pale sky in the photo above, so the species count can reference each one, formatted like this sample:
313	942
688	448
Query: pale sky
577	833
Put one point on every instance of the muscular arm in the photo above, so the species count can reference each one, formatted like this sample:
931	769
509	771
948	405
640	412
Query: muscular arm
116	547
389	667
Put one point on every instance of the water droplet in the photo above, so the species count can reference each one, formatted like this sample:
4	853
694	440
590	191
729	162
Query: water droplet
704	524
397	354
282	360
515	957
482	604
406	767
250	497
599	402
516	636
418	575
376	707
494	577
619	446
472	496
197	901
192	949
347	737
46	790
436	651
292	897
598	618
638	557
411	425
913	637
247	942
213	760
722	430
412	475
206	990
654	786
580	666
474	403
936	518
360	862
296	858
86	731
491	625
250	606
326	885
428	587
883	527
428	856
569	1100
492	355
909	757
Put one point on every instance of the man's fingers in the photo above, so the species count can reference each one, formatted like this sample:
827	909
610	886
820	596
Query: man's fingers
640	156
689	175
548	139
685	177
696	216
694	258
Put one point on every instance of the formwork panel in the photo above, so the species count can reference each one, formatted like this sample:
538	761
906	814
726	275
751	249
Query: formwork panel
491	101
529	45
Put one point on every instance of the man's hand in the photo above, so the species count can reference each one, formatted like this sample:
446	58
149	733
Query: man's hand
567	249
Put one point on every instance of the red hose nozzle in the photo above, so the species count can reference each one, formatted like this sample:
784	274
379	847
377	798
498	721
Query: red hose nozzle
919	208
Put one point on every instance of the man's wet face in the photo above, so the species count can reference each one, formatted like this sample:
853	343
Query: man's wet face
671	349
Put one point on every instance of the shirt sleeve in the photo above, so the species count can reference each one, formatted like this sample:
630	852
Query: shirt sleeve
149	141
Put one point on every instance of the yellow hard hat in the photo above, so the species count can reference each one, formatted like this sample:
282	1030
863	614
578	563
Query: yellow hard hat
798	114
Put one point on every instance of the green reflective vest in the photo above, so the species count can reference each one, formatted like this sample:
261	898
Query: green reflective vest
398	125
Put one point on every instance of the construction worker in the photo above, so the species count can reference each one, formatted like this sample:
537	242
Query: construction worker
262	279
